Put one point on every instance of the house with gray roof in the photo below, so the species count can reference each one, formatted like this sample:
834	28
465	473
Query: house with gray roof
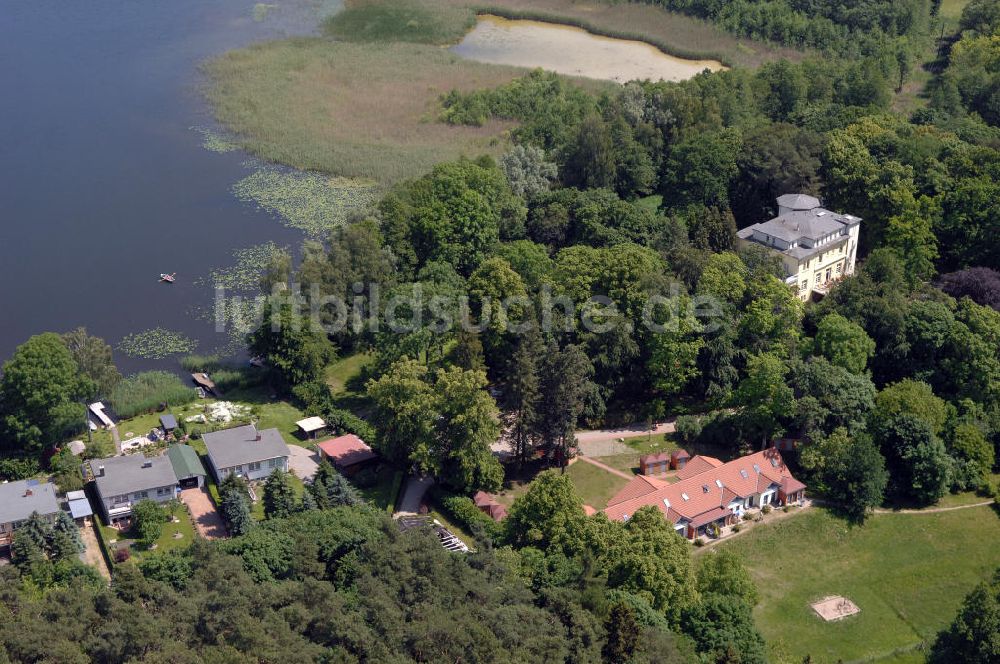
817	247
123	481
18	500
246	451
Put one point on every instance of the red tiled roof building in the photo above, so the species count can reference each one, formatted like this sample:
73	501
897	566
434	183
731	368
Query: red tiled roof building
709	491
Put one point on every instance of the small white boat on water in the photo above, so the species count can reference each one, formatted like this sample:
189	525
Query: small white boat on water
168	278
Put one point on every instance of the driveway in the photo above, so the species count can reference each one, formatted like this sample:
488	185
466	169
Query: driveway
303	462
206	519
413	494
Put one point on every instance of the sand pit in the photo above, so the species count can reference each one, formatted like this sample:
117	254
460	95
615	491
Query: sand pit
835	608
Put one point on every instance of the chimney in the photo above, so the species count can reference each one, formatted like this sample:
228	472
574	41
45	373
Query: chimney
27	493
147	464
100	471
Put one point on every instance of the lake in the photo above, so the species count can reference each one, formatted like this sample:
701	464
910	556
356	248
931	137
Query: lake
103	181
573	51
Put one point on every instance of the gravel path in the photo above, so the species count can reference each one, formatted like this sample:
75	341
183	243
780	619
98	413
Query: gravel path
92	552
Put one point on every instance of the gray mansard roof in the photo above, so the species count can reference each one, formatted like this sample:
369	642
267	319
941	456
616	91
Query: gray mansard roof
798	202
19	499
238	446
132	473
802	224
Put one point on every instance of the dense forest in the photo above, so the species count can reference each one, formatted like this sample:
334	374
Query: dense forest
608	233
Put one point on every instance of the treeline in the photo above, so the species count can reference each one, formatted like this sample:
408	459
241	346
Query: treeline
345	585
969	80
857	27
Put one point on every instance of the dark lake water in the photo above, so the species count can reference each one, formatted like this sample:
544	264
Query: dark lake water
103	183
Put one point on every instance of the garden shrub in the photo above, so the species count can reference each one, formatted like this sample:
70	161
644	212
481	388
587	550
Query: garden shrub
465	513
18	468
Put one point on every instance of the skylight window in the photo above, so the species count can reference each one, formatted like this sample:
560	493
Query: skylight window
666	502
774	462
718	483
756	468
744	473
685	496
704	488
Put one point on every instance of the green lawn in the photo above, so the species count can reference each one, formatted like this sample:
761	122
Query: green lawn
629	461
907	572
165	542
340	374
595	486
380	494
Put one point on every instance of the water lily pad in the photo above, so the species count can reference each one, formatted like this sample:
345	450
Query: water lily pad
156	344
311	202
213	141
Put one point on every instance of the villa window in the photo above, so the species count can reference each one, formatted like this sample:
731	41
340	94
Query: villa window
255	465
840	268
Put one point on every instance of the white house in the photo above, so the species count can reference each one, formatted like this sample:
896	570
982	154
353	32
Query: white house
18	500
125	480
816	247
246	451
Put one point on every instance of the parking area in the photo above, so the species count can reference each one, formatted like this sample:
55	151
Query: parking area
303	462
206	519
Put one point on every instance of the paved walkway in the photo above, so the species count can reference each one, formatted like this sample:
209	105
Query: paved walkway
303	462
413	494
92	551
206	519
613	471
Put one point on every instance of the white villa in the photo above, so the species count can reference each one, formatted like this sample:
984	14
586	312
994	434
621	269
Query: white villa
817	247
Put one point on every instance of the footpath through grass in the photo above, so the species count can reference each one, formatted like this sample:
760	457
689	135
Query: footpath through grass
907	572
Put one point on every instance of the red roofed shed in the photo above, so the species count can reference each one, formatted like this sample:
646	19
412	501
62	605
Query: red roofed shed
348	453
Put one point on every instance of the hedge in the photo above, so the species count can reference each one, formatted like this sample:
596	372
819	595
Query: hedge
464	512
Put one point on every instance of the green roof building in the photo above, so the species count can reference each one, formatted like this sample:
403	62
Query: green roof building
187	466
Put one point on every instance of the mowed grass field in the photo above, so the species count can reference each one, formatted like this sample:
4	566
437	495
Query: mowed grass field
908	573
352	109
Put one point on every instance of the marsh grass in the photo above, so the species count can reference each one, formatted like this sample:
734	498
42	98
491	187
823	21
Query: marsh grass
144	392
418	21
354	110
